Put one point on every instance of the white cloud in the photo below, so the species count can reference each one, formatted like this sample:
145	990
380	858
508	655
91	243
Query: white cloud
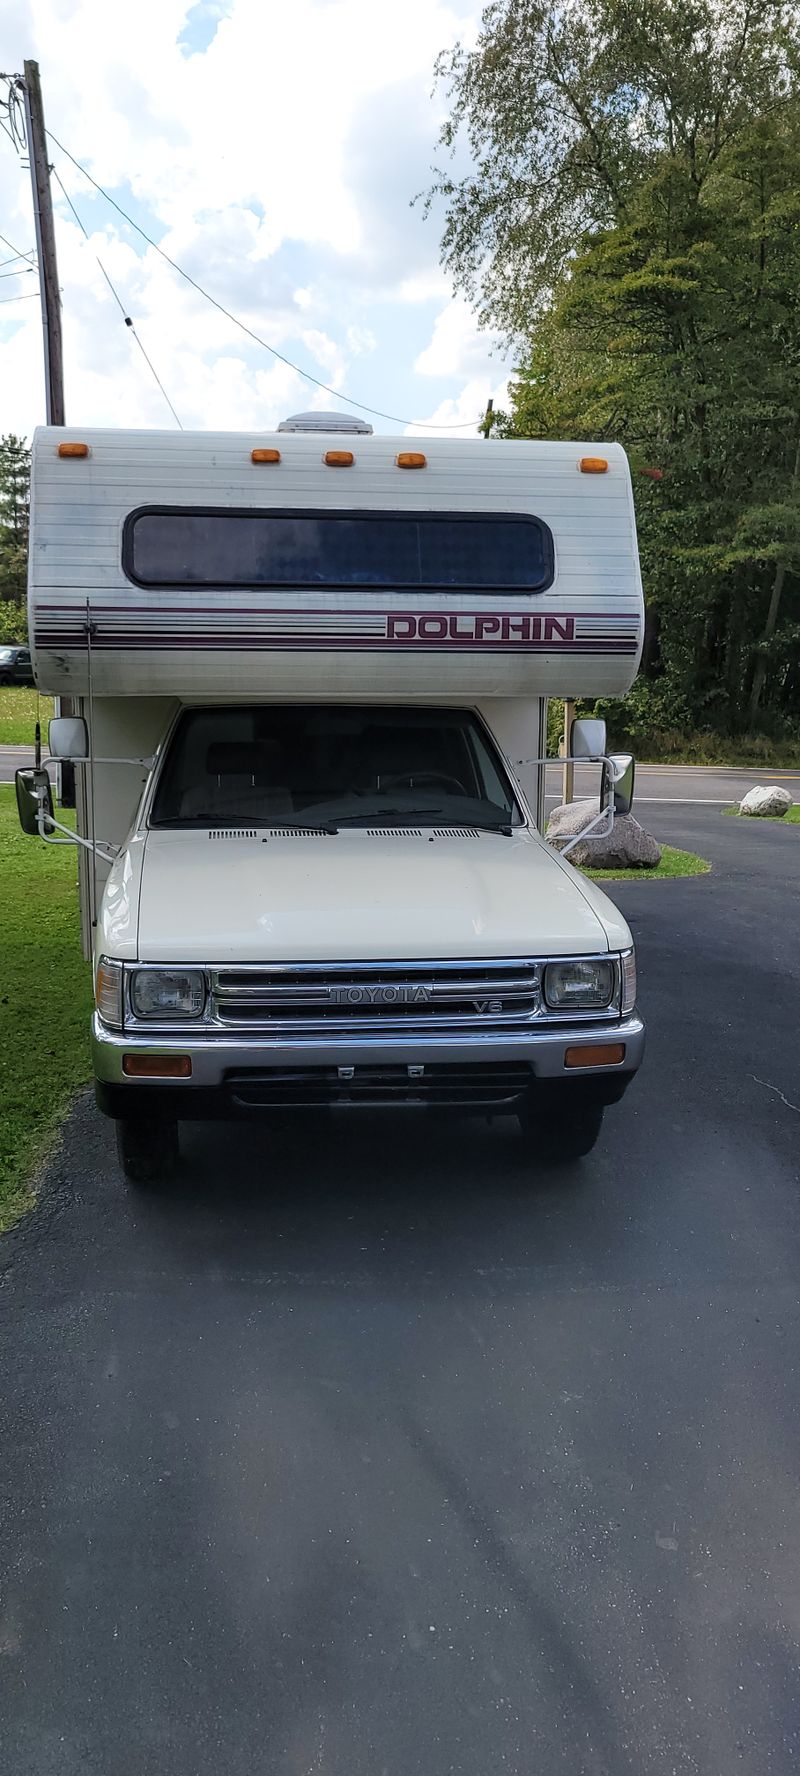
273	150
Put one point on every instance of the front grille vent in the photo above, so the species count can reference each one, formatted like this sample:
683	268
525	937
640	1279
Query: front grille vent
377	997
232	832
416	832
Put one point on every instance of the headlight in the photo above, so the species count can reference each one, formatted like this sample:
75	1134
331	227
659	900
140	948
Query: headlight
108	992
168	992
580	985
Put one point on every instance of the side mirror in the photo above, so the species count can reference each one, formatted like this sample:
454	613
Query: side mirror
587	739
68	737
618	781
34	796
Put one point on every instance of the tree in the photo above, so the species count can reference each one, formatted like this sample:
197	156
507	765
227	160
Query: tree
567	108
678	333
15	470
631	221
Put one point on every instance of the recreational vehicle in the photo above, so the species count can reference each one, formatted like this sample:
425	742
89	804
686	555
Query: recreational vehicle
306	675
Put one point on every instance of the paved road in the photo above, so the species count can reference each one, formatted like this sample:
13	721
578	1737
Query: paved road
374	1449
713	784
14	758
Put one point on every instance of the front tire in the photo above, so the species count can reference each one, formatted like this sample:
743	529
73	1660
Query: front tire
562	1136
147	1151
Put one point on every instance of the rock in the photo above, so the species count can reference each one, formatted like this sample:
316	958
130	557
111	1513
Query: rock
766	801
627	846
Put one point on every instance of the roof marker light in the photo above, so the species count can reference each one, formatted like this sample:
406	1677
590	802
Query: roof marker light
339	459
265	456
74	450
593	465
411	459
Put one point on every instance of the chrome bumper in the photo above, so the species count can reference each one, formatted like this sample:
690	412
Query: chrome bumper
214	1056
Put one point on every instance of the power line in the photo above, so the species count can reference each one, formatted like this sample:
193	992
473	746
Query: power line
32	298
13	261
12	249
120	305
338	394
15	274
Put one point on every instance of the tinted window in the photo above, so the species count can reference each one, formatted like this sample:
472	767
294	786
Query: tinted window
465	552
307	764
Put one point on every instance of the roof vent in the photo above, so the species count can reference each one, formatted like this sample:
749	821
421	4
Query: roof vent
326	422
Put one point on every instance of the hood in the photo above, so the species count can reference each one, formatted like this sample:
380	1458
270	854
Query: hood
219	897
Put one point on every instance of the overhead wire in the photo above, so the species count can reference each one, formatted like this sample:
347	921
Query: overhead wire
120	304
15	111
338	394
31	298
31	254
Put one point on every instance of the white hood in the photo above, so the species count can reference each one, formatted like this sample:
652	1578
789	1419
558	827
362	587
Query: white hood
211	899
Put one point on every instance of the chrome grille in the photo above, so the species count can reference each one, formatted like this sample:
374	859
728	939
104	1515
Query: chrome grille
370	997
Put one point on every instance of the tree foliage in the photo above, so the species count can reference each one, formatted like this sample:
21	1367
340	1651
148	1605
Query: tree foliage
15	472
633	219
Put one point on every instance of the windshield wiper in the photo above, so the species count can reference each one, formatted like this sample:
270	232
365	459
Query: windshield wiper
379	814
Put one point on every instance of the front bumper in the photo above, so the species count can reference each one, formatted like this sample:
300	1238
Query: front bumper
235	1075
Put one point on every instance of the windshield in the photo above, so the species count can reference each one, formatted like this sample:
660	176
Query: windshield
328	765
6	653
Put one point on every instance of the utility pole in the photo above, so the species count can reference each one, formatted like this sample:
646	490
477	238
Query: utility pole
45	245
568	772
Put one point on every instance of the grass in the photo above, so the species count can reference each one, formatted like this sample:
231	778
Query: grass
790	818
18	715
756	753
45	996
673	864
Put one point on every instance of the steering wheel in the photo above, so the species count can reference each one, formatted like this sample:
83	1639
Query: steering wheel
412	780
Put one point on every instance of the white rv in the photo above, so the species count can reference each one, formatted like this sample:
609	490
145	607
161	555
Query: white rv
308	675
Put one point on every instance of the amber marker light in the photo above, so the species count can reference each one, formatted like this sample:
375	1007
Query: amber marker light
265	456
595	1054
411	459
339	459
74	450
137	1066
593	465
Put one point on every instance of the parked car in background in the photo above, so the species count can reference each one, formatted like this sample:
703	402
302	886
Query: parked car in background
15	666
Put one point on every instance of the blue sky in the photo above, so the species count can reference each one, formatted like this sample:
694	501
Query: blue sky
273	151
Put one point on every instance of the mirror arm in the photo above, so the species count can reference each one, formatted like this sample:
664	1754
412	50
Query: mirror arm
72	760
593	830
47	822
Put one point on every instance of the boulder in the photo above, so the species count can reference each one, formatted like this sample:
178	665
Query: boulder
627	846
767	801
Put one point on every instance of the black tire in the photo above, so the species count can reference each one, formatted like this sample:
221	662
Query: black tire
147	1151
561	1138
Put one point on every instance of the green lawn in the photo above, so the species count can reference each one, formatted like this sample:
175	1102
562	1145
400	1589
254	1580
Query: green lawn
18	715
790	818
673	863
45	997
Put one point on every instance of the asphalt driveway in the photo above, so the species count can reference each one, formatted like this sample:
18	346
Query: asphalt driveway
369	1448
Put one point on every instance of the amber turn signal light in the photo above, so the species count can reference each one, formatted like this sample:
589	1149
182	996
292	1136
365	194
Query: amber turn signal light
411	459
595	1054
73	450
157	1066
593	465
339	459
265	456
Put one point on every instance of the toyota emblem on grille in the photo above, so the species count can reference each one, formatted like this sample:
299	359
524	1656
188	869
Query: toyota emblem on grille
400	995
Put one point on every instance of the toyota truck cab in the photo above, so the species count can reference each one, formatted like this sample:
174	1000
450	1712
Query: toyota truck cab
304	689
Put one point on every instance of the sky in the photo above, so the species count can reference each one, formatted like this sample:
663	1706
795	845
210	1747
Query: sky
273	149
